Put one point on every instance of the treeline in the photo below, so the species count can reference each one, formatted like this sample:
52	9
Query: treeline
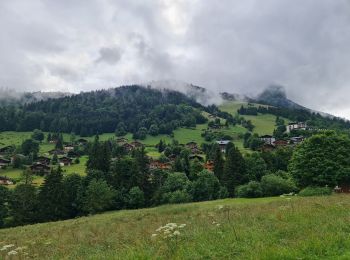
133	109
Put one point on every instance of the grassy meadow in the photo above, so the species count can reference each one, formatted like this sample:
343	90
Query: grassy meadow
266	228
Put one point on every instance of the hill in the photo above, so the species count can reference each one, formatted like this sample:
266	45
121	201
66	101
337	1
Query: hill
268	228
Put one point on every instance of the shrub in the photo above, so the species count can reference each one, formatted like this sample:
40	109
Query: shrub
206	187
315	191
136	198
179	196
251	190
273	185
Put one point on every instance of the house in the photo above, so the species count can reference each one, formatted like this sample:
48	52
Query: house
195	156
222	144
267	148
296	126
196	151
122	140
5	181
65	161
57	152
6	150
4	163
191	145
39	168
136	144
68	148
43	160
72	154
127	147
296	139
280	143
268	139
209	165
82	141
172	157
159	165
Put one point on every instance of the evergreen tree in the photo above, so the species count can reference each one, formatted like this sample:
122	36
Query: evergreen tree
49	138
52	197
218	163
72	184
59	143
234	173
4	194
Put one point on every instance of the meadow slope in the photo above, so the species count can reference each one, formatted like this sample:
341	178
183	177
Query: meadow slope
267	228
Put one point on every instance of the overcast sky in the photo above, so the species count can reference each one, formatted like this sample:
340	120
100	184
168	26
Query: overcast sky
239	46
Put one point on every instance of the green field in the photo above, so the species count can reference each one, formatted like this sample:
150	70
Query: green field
267	228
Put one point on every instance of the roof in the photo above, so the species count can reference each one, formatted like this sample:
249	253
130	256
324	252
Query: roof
223	142
266	136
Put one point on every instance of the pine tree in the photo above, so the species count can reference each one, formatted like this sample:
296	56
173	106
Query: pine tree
59	143
234	173
218	163
52	197
92	162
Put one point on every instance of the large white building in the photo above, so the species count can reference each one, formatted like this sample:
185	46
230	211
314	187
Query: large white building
296	126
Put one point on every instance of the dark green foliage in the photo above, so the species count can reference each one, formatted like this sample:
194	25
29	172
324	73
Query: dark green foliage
176	188
274	185
59	142
218	163
99	156
315	191
38	135
136	198
99	197
256	166
205	187
161	146
52	197
278	159
72	185
24	205
251	190
29	146
4	195
322	159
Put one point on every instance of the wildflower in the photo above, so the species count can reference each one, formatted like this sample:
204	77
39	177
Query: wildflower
13	252
182	226
214	222
218	224
20	248
5	247
153	235
176	233
220	207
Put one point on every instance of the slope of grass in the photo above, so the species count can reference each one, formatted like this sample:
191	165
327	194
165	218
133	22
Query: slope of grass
269	228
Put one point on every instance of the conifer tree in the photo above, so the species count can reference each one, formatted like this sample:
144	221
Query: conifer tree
218	163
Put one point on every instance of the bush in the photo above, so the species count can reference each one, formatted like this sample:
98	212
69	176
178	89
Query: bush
179	196
136	198
251	190
315	191
273	185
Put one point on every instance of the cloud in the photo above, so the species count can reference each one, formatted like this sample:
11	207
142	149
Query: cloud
233	46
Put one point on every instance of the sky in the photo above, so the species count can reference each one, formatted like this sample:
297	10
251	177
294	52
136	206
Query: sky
227	45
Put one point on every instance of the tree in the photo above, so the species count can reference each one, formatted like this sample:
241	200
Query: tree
27	176
72	185
218	161
29	146
161	146
24	204
153	130
136	198
4	194
205	187
256	166
120	130
99	197
234	173
52	197
322	160
175	188
59	143
274	185
251	190
38	135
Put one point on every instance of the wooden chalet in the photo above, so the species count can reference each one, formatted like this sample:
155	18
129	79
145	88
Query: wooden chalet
268	139
280	143
159	165
4	163
82	141
43	160
5	181
40	169
192	145
65	161
128	147
68	148
209	165
122	140
222	144
196	150
6	150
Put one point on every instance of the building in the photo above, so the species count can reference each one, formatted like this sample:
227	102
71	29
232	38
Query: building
65	161
222	144
6	150
280	143
191	145
5	181
209	165
296	139
296	126
159	165
82	141
268	139
68	148
57	152
4	163
43	160
127	147
40	169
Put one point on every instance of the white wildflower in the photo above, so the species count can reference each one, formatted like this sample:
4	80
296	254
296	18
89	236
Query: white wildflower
13	252
5	247
176	233
153	235
182	226
218	225
220	207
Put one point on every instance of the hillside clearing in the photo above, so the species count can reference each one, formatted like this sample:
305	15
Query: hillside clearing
267	228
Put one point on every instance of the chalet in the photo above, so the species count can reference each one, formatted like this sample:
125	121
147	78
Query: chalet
68	148
57	152
209	165
5	150
191	145
222	144
39	168
280	143
72	154
4	163
196	151
159	165
267	148
296	139
195	156
43	160
127	147
5	181
136	144
296	126
172	157
343	187
268	139
65	161
82	141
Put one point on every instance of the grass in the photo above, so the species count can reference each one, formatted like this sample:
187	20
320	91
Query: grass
267	228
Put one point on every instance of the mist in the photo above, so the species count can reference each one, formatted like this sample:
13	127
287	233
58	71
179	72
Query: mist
232	46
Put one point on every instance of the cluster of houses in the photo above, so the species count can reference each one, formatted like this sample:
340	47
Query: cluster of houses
270	142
